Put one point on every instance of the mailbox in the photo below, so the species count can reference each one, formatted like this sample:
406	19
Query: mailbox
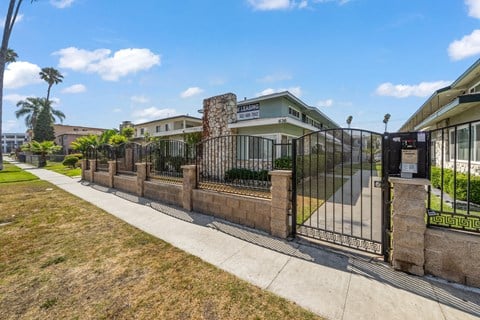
406	154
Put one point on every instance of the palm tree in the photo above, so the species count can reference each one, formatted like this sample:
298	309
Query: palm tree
31	107
51	76
349	121
11	56
385	120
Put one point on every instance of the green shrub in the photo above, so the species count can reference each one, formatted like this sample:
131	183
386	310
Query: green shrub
283	163
246	174
461	179
436	177
78	155
70	161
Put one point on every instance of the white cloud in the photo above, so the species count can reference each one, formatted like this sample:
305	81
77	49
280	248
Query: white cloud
473	8
190	92
296	91
21	73
100	61
117	110
325	103
139	99
152	113
423	89
76	88
61	4
468	46
265	5
10	126
13	98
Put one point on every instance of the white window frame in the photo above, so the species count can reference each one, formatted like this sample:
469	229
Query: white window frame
473	148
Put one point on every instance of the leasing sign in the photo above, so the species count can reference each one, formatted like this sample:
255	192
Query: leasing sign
248	111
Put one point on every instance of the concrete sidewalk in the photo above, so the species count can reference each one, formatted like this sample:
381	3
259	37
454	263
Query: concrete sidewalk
329	283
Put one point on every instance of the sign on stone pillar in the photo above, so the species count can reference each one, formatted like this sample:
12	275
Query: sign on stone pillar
218	112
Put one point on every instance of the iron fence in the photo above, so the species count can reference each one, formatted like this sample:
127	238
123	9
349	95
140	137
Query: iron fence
127	155
103	154
166	158
236	164
454	194
89	154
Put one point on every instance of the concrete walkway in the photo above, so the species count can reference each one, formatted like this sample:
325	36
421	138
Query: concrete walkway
331	284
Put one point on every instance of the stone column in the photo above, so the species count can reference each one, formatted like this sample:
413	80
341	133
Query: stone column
128	159
83	164
281	203
189	183
141	177
408	224
112	171
93	168
218	112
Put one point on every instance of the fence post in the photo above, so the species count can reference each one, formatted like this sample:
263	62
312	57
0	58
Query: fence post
93	168
408	236
112	171
281	203
83	164
189	183
129	159
141	177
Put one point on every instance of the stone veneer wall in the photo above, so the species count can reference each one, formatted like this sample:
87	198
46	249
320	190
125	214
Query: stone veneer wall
101	178
251	212
125	183
453	255
166	193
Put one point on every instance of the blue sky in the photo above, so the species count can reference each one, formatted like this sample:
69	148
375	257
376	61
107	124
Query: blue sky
143	60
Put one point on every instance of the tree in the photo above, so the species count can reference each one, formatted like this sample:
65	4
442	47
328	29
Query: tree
43	129
349	121
31	107
82	144
128	132
12	13
11	56
42	148
117	139
51	76
385	120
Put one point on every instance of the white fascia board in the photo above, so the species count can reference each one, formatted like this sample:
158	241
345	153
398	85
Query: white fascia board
428	121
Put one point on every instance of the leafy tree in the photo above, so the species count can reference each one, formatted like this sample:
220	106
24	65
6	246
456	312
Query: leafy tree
385	120
43	129
11	56
41	148
192	138
82	144
128	132
117	139
11	17
51	76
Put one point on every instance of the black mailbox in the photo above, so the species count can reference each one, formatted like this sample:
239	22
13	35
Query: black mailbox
406	154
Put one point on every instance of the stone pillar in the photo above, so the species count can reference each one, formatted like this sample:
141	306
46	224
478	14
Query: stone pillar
189	183
281	203
112	171
129	159
408	224
93	168
218	112
83	164
141	177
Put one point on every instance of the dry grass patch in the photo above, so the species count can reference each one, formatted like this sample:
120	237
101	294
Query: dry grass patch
63	258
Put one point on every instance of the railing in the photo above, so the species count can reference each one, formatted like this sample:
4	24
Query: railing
89	154
127	155
166	157
236	164
103	154
454	195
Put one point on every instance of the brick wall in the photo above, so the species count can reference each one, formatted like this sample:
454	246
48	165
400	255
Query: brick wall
166	193
125	183
102	178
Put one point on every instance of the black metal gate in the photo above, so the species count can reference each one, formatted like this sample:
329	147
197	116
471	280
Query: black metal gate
339	189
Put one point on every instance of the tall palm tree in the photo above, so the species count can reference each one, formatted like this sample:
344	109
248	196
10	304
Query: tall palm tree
11	56
51	76
349	121
31	107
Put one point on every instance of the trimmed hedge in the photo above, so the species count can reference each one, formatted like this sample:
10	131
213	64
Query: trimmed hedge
283	163
246	174
461	184
70	161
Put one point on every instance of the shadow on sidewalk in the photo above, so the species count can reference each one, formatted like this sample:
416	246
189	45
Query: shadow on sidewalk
455	296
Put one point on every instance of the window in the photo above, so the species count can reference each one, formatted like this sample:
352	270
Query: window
142	131
461	145
293	112
158	128
254	148
166	127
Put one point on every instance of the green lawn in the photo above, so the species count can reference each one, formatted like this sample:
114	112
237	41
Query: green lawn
60	168
435	205
12	173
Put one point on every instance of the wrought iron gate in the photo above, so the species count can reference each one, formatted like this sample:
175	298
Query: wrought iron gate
339	188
